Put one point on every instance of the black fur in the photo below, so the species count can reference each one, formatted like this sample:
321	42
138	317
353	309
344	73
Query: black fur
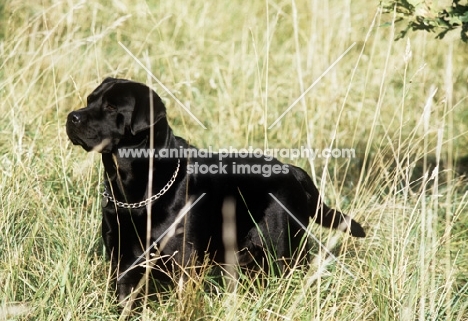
118	116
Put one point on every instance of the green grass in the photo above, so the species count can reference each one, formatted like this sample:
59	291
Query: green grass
238	66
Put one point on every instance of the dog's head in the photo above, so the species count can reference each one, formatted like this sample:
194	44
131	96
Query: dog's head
118	112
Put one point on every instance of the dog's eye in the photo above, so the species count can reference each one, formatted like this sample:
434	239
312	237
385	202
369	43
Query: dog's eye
110	107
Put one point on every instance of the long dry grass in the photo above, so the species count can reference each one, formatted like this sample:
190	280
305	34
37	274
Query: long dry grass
238	66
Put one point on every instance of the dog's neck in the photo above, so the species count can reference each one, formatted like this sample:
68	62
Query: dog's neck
127	177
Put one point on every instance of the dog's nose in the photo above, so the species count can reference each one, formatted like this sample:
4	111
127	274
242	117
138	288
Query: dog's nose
74	117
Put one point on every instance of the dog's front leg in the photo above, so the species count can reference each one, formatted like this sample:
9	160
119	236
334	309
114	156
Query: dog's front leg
127	284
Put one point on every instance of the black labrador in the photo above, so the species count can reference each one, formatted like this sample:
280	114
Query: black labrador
272	200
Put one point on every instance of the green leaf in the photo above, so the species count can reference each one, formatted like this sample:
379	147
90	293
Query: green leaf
464	18
454	20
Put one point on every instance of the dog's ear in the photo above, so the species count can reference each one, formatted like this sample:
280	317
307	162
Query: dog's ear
145	100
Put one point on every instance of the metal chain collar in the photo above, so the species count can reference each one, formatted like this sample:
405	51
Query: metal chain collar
107	197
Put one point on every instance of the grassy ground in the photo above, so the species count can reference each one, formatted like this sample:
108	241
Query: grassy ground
238	67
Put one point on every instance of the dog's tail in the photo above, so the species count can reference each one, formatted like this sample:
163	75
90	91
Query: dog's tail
321	213
328	217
